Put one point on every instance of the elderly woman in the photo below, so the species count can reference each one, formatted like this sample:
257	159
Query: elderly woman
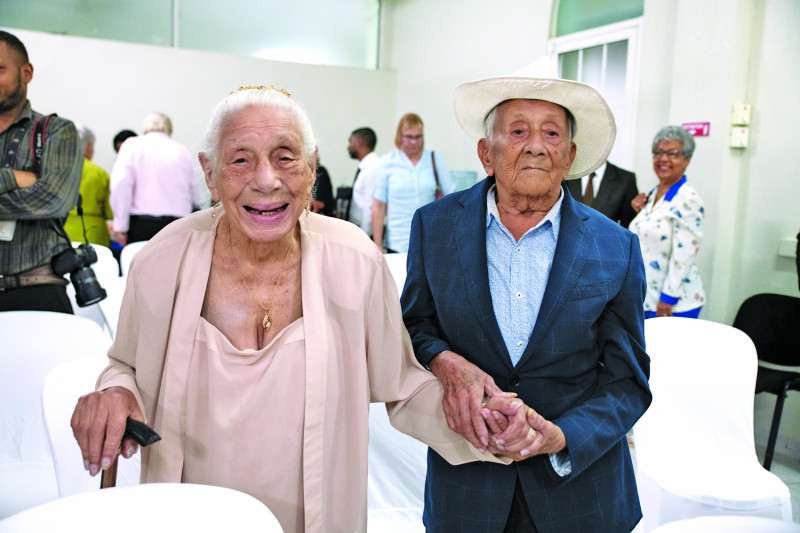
668	225
242	345
408	178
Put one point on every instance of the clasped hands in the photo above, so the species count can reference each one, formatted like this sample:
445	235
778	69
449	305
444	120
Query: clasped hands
490	419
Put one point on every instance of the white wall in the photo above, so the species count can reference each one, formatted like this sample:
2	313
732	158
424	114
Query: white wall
111	85
434	45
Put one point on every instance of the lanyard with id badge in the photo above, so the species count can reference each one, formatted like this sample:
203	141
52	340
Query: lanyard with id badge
7	227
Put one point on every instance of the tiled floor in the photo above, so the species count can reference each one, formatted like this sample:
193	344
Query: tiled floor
788	469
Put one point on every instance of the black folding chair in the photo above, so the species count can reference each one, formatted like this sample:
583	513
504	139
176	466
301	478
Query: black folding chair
772	321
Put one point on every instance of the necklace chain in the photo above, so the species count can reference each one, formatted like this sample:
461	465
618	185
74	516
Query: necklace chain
265	322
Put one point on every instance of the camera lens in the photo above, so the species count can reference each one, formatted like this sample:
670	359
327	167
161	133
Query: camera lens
87	289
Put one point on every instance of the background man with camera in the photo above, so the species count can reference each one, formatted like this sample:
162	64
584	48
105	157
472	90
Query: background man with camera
40	176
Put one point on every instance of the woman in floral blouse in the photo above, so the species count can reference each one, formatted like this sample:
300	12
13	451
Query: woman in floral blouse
668	225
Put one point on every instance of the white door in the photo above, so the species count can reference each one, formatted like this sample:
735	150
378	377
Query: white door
607	59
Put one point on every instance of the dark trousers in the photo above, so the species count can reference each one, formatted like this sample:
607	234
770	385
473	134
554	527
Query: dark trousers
36	298
144	227
519	517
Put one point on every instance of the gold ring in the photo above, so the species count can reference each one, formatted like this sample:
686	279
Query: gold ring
532	433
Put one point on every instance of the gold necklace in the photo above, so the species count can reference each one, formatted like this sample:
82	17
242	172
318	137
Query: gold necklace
265	321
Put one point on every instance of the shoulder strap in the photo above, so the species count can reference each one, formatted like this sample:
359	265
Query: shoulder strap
435	174
38	138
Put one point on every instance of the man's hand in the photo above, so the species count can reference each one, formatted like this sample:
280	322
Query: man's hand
98	424
639	201
24	178
464	388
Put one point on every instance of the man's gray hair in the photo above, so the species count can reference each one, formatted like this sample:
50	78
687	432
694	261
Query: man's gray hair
85	136
675	133
491	120
157	122
258	97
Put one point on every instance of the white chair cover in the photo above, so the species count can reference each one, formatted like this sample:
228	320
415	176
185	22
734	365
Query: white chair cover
150	507
128	251
62	387
695	450
396	478
729	524
397	266
33	343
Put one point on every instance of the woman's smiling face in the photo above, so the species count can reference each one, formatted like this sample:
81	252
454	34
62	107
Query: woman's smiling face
262	174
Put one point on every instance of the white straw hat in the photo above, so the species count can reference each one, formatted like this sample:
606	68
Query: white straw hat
595	129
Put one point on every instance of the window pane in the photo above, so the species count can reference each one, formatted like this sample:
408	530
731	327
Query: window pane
133	21
304	31
616	73
578	15
568	64
592	71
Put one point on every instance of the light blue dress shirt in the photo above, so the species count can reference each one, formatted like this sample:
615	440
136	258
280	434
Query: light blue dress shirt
404	188
518	273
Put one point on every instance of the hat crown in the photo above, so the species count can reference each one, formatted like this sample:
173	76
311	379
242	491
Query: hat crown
543	68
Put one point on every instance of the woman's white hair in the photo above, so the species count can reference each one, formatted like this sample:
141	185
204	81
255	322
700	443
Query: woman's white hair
258	96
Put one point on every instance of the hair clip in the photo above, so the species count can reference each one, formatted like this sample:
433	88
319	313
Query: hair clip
261	88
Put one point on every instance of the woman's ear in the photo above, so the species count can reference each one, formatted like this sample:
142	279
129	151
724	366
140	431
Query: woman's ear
205	163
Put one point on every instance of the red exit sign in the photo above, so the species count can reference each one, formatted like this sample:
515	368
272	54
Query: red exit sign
698	129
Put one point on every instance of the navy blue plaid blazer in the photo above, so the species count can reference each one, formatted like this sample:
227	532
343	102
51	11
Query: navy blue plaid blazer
584	368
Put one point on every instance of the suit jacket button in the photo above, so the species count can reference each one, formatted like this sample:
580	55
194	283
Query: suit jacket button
515	381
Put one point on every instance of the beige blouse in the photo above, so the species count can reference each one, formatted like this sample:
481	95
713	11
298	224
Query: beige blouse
251	398
355	346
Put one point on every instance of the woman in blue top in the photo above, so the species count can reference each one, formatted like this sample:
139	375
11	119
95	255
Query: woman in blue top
668	226
405	181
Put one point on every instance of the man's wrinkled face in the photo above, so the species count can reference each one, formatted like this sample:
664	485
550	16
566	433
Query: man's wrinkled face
530	152
14	78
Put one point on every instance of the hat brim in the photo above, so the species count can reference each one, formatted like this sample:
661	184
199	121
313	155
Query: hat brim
595	125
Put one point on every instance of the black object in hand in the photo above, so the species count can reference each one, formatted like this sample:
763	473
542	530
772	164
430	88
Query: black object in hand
140	432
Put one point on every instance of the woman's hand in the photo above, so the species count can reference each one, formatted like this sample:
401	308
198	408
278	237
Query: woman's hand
663	309
98	424
639	201
519	432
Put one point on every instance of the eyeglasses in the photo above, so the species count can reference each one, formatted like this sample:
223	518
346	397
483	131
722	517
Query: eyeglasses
412	137
672	154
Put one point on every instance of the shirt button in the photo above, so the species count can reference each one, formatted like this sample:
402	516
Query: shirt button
519	295
519	250
520	343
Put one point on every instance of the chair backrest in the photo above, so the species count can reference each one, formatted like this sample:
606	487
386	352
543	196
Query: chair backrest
702	376
159	506
397	266
772	321
127	254
62	387
344	195
33	343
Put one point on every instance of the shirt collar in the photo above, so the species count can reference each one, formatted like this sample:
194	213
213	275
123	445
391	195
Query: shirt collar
674	189
553	216
366	159
25	114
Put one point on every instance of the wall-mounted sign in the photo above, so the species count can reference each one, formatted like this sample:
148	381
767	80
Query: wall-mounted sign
698	129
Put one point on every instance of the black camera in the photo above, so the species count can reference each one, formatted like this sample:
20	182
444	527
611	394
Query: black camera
75	262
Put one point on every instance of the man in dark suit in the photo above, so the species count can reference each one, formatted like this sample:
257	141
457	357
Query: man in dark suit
513	285
611	192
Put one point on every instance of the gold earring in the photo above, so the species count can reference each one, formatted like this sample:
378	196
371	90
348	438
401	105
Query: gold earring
213	212
308	205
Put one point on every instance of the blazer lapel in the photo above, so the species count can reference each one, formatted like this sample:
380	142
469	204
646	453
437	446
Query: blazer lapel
469	227
570	257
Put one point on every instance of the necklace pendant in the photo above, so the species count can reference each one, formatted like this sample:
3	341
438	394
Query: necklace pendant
266	322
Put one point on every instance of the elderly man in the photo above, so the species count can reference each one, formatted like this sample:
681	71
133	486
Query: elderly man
153	182
514	285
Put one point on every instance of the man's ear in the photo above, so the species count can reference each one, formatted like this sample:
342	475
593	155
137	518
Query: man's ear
205	163
26	71
485	155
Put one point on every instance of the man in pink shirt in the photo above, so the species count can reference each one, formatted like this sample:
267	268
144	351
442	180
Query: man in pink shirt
152	183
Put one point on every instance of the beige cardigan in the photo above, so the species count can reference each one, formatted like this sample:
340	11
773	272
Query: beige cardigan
357	352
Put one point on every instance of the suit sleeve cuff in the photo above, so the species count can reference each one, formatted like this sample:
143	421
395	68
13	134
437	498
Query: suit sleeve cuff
561	463
667	299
